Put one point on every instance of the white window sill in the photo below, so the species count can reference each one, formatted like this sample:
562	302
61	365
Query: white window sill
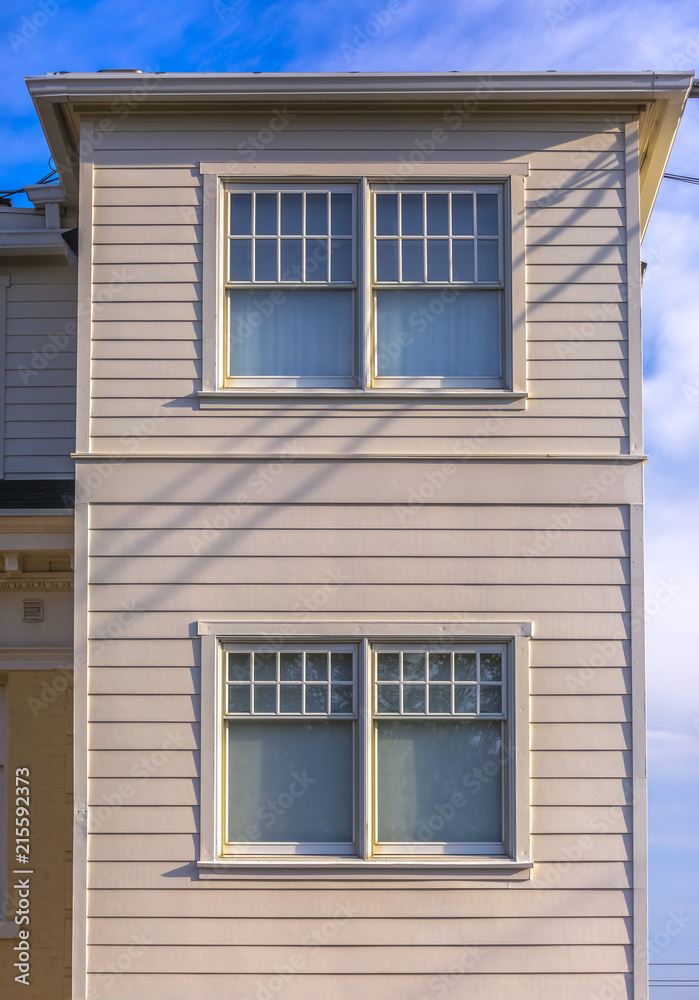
234	397
402	867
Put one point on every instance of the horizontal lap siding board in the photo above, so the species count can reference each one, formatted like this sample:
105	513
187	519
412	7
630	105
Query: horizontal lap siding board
364	931
427	902
158	566
39	372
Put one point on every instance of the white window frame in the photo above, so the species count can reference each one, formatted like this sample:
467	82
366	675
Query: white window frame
218	390
217	860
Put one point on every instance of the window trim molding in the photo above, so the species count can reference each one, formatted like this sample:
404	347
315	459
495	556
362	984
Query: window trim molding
213	635
215	177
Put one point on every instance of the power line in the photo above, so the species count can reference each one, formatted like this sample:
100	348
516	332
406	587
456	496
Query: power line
681	177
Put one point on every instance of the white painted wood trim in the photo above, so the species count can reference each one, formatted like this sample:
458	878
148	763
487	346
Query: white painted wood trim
638	730
84	305
435	456
4	283
516	325
633	326
517	812
211	286
390	170
444	627
81	734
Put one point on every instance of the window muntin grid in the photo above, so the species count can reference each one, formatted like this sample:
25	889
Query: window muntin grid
432	683
302	682
291	236
438	236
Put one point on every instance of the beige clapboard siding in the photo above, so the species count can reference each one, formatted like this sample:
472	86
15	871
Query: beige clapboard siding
576	874
363	597
580	680
404	569
364	931
581	820
222	986
577	254
177	514
309	137
167	761
353	425
578	764
372	959
562	199
592	350
600	626
553	540
300	480
581	736
388	902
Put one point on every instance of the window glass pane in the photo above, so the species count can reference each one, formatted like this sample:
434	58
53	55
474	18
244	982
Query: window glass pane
316	666
426	784
316	697
241	260
292	214
414	697
290	698
388	666
238	666
317	260
316	214
491	666
239	698
341	666
440	667
413	666
341	698
487	214
491	698
289	782
341	260
464	697
387	260
265	214
291	332
413	260
411	215
341	214
462	260
387	215
464	666
437	214
265	667
291	666
291	260
438	260
241	214
265	698
488	260
454	335
462	215
388	698
265	260
440	697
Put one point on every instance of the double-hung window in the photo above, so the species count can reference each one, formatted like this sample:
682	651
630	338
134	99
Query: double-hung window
367	286
370	752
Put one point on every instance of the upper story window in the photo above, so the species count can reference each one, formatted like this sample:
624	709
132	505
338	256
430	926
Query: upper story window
342	286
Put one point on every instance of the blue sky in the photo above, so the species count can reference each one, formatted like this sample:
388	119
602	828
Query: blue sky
39	36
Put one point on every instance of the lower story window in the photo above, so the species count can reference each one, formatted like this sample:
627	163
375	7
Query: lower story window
361	750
